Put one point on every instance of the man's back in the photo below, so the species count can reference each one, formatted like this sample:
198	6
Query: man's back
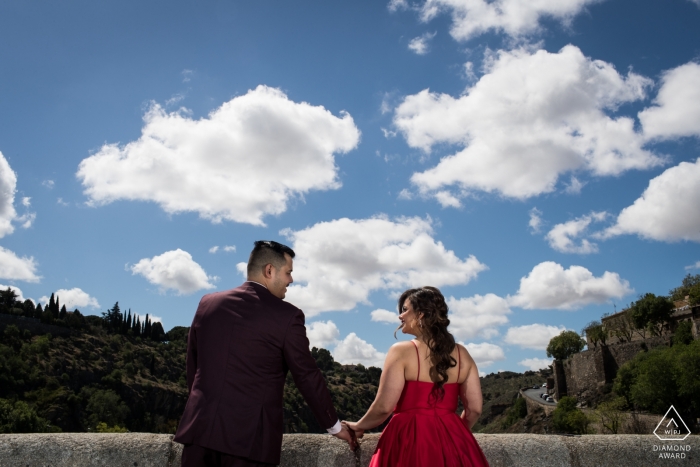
241	344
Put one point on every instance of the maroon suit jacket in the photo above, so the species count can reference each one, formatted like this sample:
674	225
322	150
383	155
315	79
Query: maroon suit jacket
241	344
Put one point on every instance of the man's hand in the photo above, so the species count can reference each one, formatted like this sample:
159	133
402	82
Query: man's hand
346	435
352	426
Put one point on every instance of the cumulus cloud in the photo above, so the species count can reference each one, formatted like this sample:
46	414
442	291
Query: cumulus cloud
531	118
17	290
421	44
485	354
693	266
241	163
676	111
352	349
477	316
471	18
535	364
532	336
8	187
225	249
175	270
563	237
667	210
385	316
550	286
322	334
73	298
535	222
340	262
13	267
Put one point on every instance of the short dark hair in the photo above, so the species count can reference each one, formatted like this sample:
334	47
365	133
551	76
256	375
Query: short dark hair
267	252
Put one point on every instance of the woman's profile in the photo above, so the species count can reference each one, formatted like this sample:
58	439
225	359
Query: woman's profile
421	383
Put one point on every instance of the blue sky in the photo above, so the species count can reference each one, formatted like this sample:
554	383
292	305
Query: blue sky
539	163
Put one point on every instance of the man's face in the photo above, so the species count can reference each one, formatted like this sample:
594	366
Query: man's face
281	278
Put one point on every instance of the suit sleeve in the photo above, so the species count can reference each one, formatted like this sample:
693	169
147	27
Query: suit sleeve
191	362
306	374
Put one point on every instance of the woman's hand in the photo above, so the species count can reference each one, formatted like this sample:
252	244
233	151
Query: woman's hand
352	426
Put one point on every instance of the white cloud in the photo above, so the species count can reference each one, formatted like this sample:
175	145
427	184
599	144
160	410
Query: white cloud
562	236
229	248
697	2
17	290
241	163
385	316
405	195
73	298
26	220
48	184
13	267
174	270
667	210
471	18
693	266
26	201
532	336
395	5
352	349
535	364
142	318
186	75
677	105
485	354
8	187
533	117
342	261
535	222
214	249
322	334
420	45
477	316
550	286
574	187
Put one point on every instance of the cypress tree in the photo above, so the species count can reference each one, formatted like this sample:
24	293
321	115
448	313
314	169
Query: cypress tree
128	322
137	326
62	313
52	306
147	327
38	311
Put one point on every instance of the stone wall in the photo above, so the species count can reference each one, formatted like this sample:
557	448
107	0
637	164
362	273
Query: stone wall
502	450
585	373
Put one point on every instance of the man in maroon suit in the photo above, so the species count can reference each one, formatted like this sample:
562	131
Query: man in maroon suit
241	344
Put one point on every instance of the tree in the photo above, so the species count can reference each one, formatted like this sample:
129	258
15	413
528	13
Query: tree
621	326
62	313
689	282
52	307
113	318
651	312
595	332
610	413
157	332
324	359
106	406
683	334
18	417
8	297
565	345
38	311
568	418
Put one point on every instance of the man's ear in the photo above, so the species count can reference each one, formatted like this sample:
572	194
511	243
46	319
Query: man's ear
267	271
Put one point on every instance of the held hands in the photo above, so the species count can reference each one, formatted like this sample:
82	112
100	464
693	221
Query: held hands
347	435
352	427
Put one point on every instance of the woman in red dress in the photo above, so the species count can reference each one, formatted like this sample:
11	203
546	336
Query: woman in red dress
421	383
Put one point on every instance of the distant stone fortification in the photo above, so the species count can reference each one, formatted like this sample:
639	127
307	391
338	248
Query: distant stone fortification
585	373
502	450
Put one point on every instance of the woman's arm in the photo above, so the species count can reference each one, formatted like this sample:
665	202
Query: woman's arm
470	393
390	386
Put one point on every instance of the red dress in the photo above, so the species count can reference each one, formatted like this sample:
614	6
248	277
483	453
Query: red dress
426	434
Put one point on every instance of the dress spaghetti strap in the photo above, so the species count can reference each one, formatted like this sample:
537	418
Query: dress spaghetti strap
418	357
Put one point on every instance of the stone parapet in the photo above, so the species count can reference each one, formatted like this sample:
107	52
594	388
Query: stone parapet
501	450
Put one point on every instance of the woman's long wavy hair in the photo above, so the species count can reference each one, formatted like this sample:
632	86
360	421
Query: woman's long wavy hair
430	302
